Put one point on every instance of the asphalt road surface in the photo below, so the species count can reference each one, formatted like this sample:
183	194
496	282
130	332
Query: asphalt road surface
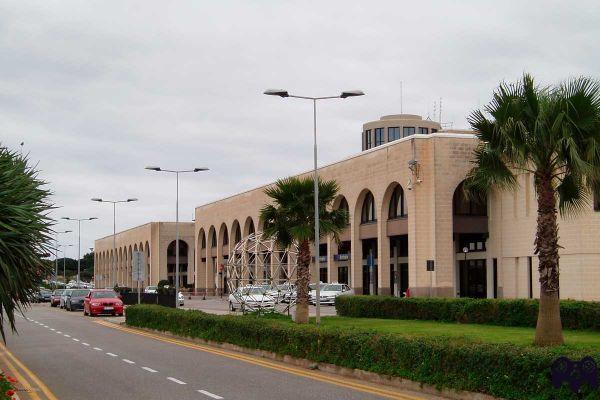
79	357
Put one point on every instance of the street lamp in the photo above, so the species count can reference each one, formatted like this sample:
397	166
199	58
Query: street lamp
56	254
113	264
65	261
176	172
79	242
343	95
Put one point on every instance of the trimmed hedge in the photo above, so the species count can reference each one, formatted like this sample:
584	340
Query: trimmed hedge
518	312
502	370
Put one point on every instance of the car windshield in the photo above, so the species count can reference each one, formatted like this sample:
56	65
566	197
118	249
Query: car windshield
313	286
67	292
253	291
285	287
58	291
108	294
332	288
79	293
151	288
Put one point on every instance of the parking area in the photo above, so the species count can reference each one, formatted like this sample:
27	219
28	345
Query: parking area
217	305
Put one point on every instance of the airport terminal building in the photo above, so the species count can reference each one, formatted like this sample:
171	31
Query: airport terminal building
411	229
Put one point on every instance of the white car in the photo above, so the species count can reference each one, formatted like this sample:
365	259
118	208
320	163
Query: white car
282	293
250	298
329	292
151	289
180	299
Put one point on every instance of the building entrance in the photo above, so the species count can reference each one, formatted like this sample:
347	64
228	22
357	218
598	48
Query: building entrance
473	278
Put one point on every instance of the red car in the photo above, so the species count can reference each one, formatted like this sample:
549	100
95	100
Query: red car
102	302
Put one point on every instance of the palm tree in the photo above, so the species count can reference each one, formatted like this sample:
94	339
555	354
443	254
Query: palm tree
291	219
25	230
554	134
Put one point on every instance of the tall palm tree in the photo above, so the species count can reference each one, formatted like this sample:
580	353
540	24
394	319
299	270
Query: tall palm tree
291	219
554	134
25	230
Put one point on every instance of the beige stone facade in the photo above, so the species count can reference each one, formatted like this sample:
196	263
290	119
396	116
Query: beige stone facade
407	213
157	240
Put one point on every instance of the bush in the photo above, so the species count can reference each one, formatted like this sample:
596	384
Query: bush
518	312
503	370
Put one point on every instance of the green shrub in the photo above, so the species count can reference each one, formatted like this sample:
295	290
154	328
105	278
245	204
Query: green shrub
518	312
503	370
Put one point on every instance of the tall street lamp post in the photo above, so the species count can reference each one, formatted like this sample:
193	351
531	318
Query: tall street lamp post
56	254
343	95
64	260
79	242
176	172
113	265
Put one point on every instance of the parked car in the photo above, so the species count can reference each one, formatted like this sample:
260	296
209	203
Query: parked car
75	299
329	292
282	293
99	301
63	297
180	299
151	289
250	298
55	297
42	296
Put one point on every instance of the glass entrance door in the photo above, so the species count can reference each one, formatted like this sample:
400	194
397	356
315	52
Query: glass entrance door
473	278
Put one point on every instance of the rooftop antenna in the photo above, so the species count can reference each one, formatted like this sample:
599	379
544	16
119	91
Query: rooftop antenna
401	94
434	109
440	113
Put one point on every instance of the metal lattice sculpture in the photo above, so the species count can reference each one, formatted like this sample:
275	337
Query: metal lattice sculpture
261	275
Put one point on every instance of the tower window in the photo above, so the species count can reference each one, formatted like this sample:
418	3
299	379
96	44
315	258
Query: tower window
408	131
379	137
393	133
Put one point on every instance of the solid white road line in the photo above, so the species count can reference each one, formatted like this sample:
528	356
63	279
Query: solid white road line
209	394
149	369
176	381
111	354
97	348
85	344
128	361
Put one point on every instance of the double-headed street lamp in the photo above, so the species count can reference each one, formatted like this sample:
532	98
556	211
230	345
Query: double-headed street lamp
64	260
56	254
176	172
113	264
343	95
79	242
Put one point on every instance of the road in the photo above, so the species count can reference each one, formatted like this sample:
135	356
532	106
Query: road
79	357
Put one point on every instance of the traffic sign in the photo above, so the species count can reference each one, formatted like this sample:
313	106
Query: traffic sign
138	267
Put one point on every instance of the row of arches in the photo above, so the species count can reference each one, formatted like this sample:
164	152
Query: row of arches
119	271
377	234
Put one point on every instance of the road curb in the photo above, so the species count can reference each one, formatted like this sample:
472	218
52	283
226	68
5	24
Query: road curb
365	376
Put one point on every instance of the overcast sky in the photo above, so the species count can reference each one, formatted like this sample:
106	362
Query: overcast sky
97	90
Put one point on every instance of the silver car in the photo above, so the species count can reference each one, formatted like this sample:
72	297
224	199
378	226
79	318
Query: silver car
63	297
329	292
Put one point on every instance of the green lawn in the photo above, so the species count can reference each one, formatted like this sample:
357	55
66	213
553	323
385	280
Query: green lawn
482	333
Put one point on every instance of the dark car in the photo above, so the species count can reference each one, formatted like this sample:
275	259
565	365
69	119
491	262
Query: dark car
55	298
44	295
75	299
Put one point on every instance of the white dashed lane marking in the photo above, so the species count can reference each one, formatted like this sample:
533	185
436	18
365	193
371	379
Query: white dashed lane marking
149	369
76	340
112	354
209	394
52	329
85	344
59	332
97	348
176	380
65	335
128	361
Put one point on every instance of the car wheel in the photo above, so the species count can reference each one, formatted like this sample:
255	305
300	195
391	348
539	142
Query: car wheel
231	307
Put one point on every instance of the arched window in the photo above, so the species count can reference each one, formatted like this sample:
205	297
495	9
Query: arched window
203	240
344	206
238	234
213	239
368	209
398	207
225	236
251	228
468	205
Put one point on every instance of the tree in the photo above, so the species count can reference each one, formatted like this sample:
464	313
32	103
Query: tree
554	134
25	234
292	219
